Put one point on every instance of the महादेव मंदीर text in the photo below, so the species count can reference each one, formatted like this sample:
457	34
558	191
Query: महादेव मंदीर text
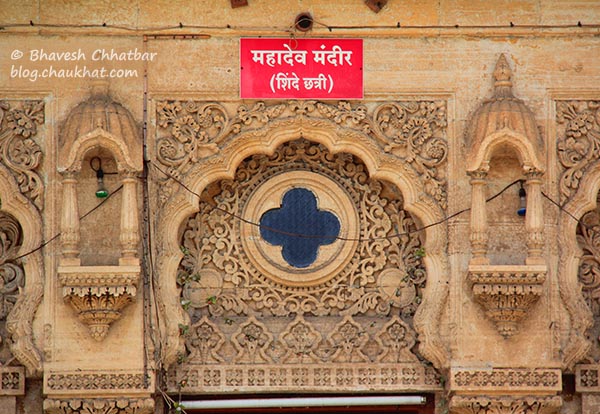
302	68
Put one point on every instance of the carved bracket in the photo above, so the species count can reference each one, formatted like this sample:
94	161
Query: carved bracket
99	293
507	292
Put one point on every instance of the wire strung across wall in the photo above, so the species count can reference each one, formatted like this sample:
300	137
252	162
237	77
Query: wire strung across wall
300	235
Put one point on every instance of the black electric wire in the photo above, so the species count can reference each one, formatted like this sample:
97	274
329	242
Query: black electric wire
97	206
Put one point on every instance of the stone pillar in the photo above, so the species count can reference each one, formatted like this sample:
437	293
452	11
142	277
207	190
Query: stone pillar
534	219
129	221
70	236
479	227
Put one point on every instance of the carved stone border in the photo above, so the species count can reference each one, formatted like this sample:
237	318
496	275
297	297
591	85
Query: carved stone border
530	404
99	406
12	381
579	198
219	160
303	378
95	383
506	380
20	320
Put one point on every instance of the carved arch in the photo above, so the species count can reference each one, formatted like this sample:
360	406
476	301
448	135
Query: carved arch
94	139
380	166
584	200
522	145
19	321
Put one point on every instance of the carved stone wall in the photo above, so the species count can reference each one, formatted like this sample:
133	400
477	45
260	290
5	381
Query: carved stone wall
344	332
239	274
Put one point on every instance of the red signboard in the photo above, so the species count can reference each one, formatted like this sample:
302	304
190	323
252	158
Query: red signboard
301	68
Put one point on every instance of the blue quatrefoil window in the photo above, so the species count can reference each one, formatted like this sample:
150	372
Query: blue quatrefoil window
299	227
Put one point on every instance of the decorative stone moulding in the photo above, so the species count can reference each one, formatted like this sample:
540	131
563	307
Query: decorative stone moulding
99	293
504	404
507	293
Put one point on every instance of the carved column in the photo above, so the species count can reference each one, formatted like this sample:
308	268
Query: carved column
479	236
534	219
70	222
129	221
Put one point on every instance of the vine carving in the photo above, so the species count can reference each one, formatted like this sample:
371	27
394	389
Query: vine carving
578	142
19	151
413	131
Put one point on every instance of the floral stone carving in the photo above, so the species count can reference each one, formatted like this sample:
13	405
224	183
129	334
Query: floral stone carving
578	142
18	149
99	293
588	238
507	293
413	131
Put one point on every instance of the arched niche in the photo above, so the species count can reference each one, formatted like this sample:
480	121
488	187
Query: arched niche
504	147
381	166
99	265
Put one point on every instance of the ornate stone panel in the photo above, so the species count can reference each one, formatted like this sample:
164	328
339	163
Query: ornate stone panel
587	378
99	406
19	149
344	320
379	271
413	131
505	380
578	134
94	383
199	147
12	380
505	405
588	238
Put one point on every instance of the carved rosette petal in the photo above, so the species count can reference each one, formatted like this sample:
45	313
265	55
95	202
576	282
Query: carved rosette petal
507	293
99	293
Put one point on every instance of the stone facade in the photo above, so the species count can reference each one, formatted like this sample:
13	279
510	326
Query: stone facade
169	288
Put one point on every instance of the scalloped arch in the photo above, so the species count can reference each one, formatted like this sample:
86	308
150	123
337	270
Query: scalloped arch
583	200
95	139
380	166
505	137
20	320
